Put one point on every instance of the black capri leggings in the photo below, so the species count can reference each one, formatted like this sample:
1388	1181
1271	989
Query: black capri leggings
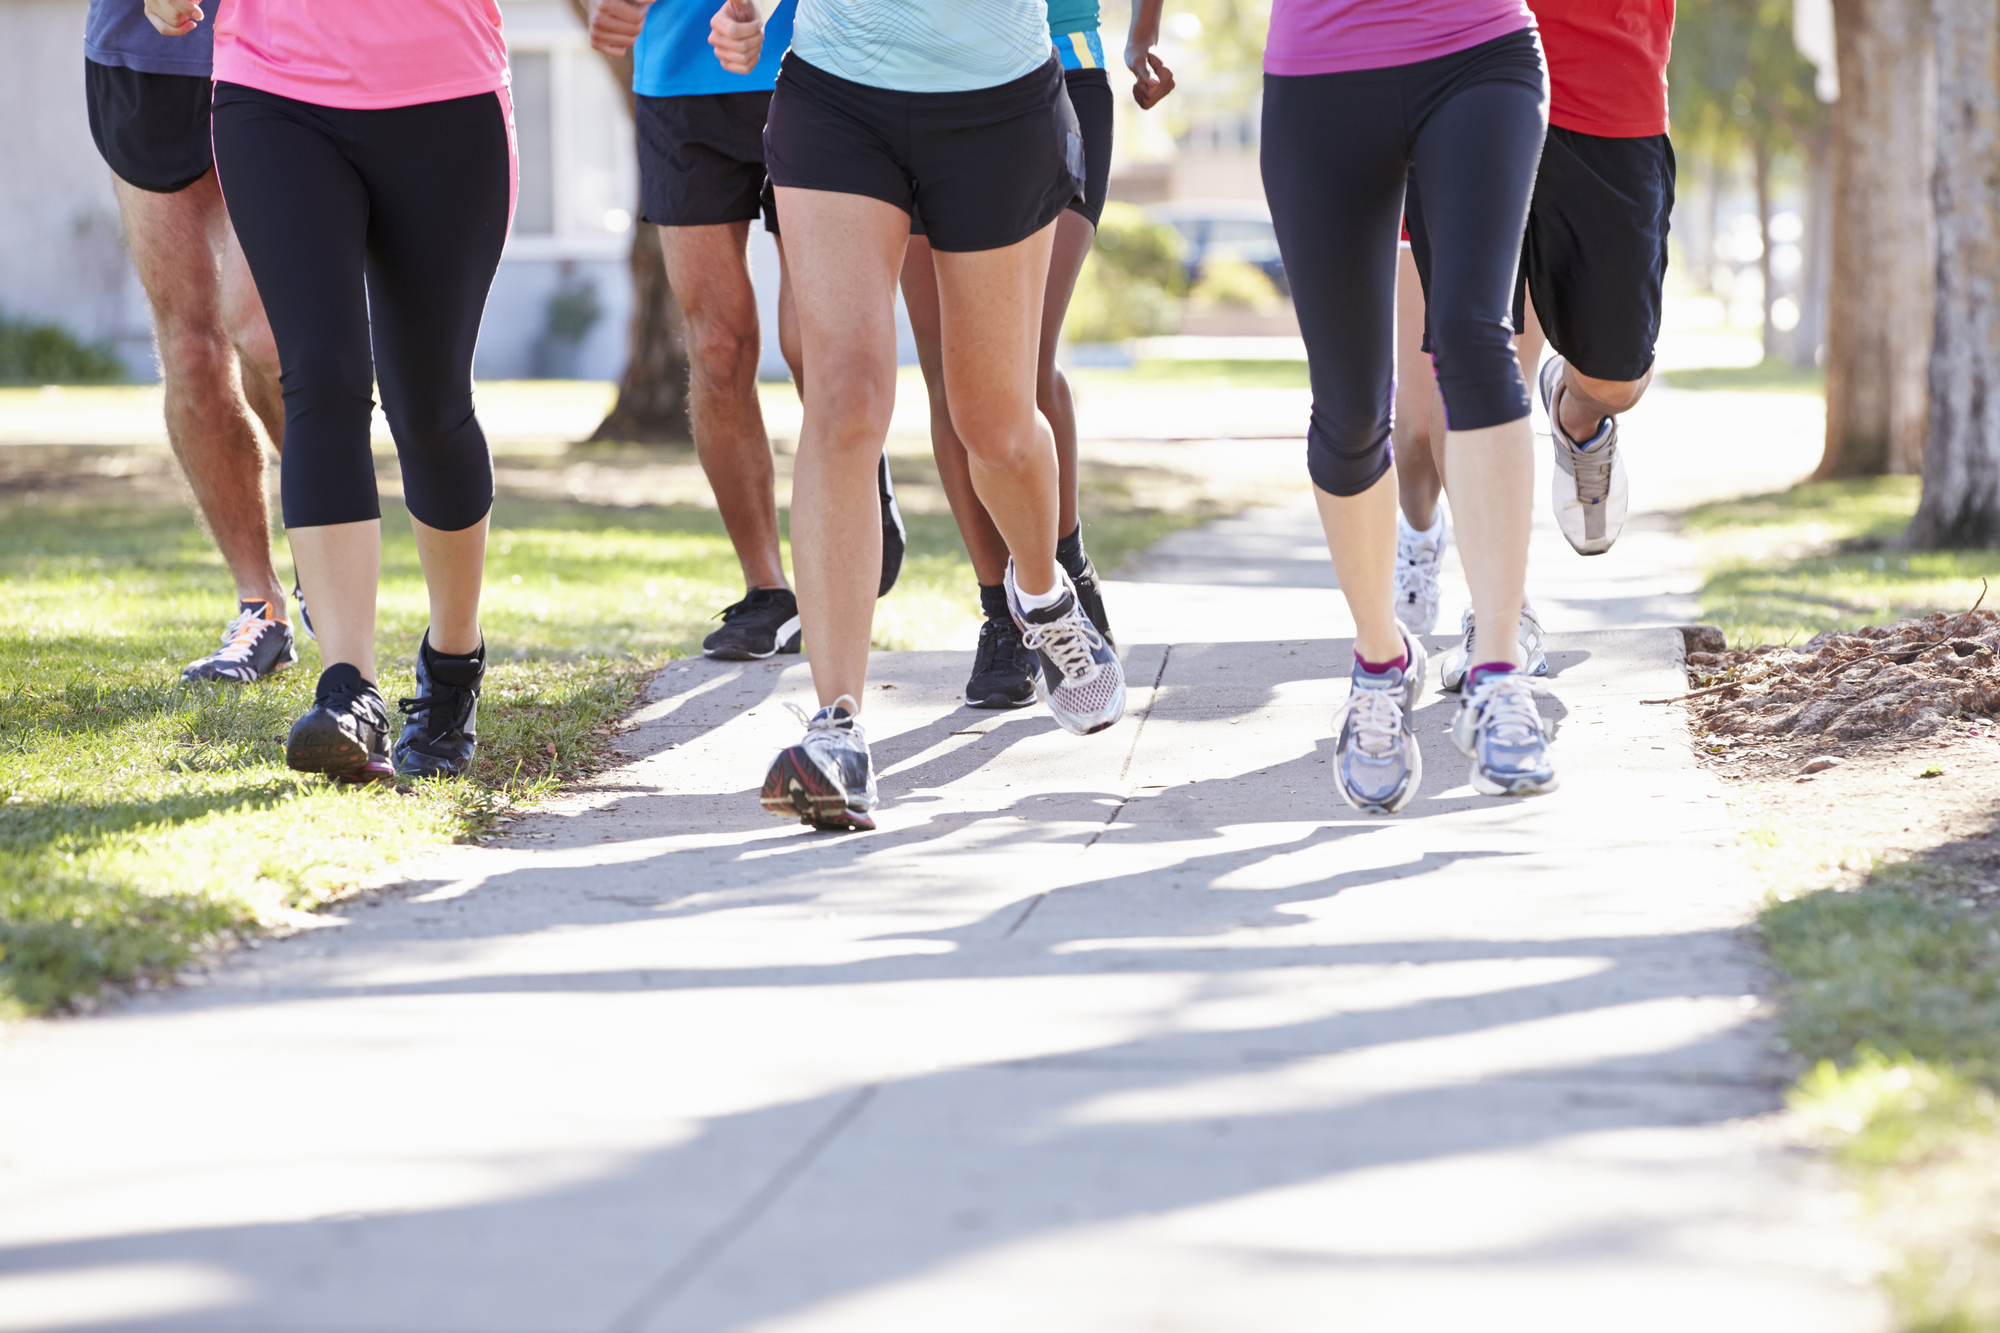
1337	150
390	223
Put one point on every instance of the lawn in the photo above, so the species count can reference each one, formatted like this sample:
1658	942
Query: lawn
142	820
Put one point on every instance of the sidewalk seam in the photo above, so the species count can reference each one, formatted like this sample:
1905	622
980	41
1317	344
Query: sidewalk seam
710	1247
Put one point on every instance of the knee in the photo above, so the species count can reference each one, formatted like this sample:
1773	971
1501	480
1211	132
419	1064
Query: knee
724	348
1610	396
850	412
1348	453
250	334
1000	443
192	353
1052	394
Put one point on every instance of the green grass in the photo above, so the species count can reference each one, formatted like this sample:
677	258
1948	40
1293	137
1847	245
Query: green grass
1277	374
1769	376
1894	991
142	820
1781	568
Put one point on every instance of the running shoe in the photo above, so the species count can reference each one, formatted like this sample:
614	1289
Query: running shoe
299	600
1589	486
1377	766
440	731
1090	595
1534	661
254	645
345	735
1419	557
1499	729
827	780
766	621
1003	670
1078	673
894	536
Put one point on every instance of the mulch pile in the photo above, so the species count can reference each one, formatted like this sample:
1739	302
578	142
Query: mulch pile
1906	680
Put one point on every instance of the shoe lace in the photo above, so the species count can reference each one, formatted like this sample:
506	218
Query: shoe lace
1592	470
827	720
755	600
999	648
1506	704
1416	577
1377	716
358	699
1072	642
447	705
239	637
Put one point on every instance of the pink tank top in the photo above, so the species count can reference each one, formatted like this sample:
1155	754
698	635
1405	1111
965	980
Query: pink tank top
361	54
1332	36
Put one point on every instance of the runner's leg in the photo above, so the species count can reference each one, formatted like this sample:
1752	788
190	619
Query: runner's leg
709	271
1074	236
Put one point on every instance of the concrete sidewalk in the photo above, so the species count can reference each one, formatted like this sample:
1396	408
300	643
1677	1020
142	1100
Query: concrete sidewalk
1137	1033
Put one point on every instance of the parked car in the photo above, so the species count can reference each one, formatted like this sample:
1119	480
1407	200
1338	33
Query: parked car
1225	228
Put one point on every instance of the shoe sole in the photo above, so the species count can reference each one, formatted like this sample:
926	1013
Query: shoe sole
1378	807
336	756
787	642
1077	729
1522	786
793	790
998	702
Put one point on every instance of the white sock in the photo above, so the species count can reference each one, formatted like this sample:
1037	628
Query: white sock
1433	533
1041	601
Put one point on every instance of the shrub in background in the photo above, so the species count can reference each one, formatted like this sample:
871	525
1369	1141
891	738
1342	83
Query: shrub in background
1132	285
32	353
1234	284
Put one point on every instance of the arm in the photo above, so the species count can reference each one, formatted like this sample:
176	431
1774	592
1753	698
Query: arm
173	18
1155	79
737	34
615	25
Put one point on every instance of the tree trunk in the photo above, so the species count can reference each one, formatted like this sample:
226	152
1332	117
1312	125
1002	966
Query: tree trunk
1879	302
652	406
1961	500
1760	176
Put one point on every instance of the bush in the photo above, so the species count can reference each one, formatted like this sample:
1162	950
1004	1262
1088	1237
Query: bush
48	354
1234	285
1132	285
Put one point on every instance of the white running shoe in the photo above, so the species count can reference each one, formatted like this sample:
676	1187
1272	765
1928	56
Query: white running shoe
1589	487
1081	677
1500	730
1419	556
1534	661
1377	765
827	780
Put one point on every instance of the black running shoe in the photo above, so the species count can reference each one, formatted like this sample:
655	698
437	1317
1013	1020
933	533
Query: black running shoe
1003	670
894	536
254	646
346	733
766	621
827	780
440	735
1090	596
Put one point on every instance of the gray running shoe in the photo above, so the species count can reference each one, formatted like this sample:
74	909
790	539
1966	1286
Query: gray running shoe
1534	661
1499	729
1419	556
255	646
1376	763
827	780
1081	676
1589	487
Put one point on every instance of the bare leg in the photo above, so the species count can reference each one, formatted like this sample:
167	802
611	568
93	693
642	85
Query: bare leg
256	350
1416	386
991	307
1585	402
710	274
1361	537
454	569
339	566
983	542
845	252
1490	475
178	243
1074	235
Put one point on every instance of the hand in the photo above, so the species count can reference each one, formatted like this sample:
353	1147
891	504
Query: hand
615	24
737	35
173	18
1155	80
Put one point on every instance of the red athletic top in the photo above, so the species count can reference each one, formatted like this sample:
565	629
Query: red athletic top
1607	64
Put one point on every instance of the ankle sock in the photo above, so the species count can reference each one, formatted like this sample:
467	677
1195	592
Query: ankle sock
1040	601
340	676
433	655
1069	553
1382	668
993	601
1429	534
1484	669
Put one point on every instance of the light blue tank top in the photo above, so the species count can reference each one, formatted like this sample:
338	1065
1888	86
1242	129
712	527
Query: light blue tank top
924	46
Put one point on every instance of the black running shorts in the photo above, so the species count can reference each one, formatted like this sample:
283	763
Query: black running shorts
701	159
151	128
981	169
1090	97
1595	253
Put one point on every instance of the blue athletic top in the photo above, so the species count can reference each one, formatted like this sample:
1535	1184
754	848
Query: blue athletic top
672	57
115	32
924	46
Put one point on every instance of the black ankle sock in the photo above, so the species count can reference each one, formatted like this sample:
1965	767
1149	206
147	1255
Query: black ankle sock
433	655
1069	553
993	601
340	676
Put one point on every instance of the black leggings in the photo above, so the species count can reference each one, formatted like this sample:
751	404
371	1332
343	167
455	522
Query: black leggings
1337	150
387	222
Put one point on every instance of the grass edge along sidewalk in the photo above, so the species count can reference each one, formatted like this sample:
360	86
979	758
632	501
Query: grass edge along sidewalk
1889	974
143	822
